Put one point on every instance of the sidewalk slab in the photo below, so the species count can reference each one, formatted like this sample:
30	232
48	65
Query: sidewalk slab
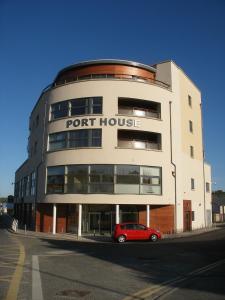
100	239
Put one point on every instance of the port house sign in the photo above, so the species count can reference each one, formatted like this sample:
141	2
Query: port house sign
88	122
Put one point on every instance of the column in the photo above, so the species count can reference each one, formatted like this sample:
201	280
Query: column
79	219
147	215
54	219
117	214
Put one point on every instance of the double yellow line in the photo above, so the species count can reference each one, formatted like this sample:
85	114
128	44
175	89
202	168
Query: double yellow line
167	286
17	276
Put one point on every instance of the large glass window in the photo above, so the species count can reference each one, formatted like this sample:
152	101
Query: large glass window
75	139
101	179
59	110
86	106
56	179
76	107
77	179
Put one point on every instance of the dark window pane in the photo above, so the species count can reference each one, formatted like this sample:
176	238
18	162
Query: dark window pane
55	179
130	226
78	138
101	173
79	107
128	174
101	179
97	105
59	110
77	179
96	138
55	184
59	170
57	141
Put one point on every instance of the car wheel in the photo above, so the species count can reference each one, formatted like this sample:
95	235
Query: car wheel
153	238
121	239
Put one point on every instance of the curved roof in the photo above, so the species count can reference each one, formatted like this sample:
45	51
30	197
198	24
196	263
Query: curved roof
108	61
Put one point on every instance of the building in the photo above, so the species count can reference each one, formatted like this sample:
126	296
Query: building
218	206
115	141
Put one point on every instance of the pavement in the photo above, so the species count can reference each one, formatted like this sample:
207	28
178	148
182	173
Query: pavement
106	238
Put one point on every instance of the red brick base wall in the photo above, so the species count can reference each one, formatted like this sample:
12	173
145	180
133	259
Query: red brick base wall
161	217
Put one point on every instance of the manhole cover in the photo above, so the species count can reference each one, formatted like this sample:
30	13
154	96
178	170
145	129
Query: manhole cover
73	293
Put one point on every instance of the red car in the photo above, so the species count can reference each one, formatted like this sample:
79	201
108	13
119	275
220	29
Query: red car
133	231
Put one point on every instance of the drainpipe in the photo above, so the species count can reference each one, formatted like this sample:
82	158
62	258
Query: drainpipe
175	168
203	166
40	163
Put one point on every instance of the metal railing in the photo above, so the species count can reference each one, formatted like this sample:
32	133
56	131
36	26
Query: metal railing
111	76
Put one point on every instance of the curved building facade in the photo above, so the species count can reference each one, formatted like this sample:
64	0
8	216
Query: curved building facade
115	141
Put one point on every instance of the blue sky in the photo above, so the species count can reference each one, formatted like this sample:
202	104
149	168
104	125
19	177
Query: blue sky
38	38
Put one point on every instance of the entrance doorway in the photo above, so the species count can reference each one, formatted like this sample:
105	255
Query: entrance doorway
187	215
101	222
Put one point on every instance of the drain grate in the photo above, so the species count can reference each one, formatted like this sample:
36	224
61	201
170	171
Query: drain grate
73	293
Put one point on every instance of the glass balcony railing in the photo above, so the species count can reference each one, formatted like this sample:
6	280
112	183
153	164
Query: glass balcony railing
139	112
135	144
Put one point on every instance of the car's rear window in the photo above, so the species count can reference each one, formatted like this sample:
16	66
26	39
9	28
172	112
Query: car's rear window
123	226
130	226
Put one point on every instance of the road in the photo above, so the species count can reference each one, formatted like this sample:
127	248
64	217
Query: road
188	268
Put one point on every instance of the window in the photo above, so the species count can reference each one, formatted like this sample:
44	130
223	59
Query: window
150	180
189	101
27	193
59	110
104	179
75	139
191	126
192	183
85	138
55	179
207	186
101	179
127	179
37	120
192	151
57	141
86	106
193	216
33	184
76	107
127	174
77	179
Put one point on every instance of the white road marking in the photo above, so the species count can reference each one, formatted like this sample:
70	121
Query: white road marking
36	280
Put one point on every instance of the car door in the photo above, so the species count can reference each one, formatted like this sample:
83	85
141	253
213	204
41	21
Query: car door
130	231
141	232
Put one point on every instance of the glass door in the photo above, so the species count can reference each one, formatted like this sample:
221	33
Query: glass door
95	222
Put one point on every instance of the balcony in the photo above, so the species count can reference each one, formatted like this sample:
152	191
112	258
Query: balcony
133	139
111	76
139	108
